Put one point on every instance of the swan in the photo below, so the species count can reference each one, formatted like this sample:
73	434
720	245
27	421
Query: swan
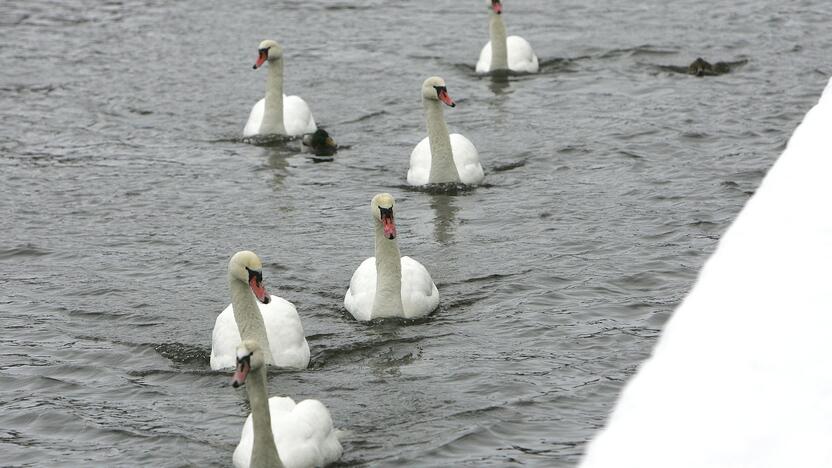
740	376
503	53
280	432
277	113
270	320
388	285
439	157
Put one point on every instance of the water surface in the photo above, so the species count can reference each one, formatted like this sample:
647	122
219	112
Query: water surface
126	188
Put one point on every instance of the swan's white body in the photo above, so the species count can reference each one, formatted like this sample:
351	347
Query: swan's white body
740	376
389	285
297	117
279	432
284	330
419	295
303	433
277	114
465	157
520	56
506	52
442	157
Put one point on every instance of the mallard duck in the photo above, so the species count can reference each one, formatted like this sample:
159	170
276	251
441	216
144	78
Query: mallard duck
320	143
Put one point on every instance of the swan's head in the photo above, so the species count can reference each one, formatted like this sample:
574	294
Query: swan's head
268	50
245	266
495	5
249	358
434	88
382	206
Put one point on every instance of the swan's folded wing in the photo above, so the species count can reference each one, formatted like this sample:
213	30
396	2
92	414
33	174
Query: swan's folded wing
255	118
279	407
419	295
484	63
297	117
242	454
521	56
419	171
285	332
306	435
467	160
360	296
224	341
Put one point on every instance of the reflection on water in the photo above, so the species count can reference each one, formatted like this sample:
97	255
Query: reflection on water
444	207
499	83
277	158
390	352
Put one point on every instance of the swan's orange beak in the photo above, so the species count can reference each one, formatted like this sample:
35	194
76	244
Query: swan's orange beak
496	6
387	222
261	58
240	373
258	289
442	93
255	281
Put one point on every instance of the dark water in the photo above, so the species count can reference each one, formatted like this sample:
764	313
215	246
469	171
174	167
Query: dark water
125	189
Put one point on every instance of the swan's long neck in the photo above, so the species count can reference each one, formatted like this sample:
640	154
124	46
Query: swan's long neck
499	51
263	451
388	300
273	114
442	167
248	317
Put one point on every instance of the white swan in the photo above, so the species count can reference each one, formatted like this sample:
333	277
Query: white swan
280	433
270	320
440	157
277	113
505	53
740	376
389	285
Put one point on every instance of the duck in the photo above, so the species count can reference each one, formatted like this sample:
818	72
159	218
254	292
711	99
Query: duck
501	53
442	157
277	114
701	67
320	143
254	314
279	432
389	285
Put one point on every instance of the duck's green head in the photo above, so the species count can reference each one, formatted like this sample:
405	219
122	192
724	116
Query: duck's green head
322	138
